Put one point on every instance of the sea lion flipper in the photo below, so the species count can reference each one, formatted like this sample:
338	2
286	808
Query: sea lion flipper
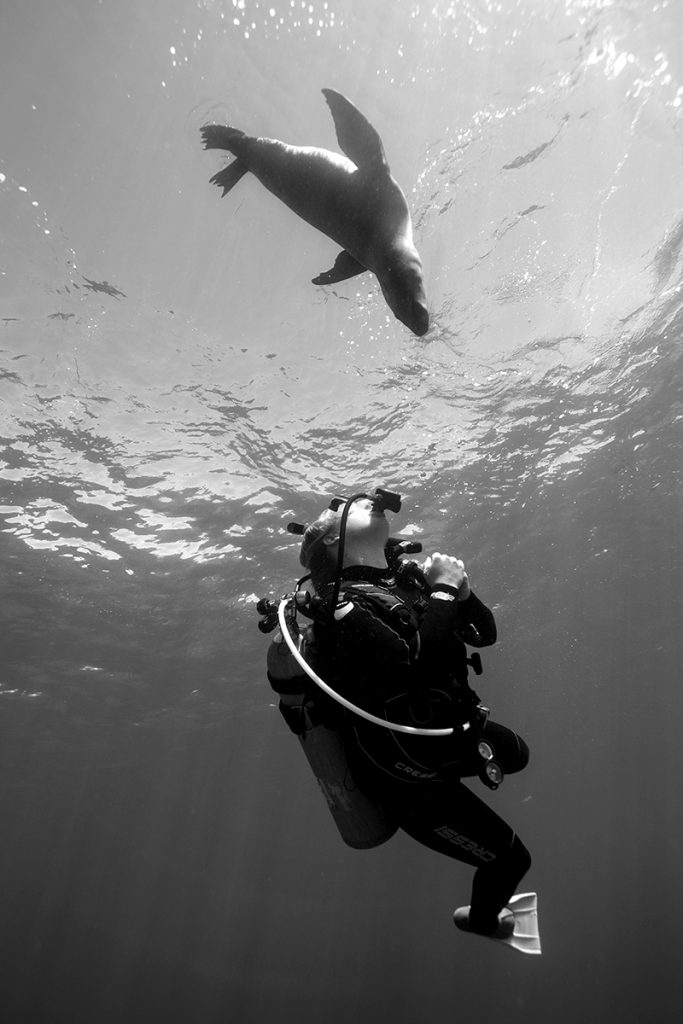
345	266
220	136
223	136
229	176
355	135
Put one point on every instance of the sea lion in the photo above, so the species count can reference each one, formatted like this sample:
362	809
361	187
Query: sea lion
353	199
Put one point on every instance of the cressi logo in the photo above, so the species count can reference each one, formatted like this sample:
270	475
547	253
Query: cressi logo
464	843
413	771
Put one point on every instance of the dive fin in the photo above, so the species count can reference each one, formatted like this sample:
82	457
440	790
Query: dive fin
355	135
345	266
229	176
517	923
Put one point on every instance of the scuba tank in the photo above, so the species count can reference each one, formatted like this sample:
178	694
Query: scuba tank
362	823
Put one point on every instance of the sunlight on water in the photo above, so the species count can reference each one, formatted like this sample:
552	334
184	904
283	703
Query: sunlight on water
140	398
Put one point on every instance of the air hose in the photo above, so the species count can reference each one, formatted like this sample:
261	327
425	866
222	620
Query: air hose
394	726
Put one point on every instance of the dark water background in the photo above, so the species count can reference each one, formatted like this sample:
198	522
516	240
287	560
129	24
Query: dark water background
174	390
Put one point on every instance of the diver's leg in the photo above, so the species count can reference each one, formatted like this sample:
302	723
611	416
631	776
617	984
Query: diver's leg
509	750
450	819
494	884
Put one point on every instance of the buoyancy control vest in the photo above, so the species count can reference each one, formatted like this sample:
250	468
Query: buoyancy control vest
388	614
386	678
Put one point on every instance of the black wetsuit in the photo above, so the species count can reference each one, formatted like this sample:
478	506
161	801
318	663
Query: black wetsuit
397	649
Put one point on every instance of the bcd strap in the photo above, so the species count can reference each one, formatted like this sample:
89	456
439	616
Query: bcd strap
305	714
393	611
298	717
404	618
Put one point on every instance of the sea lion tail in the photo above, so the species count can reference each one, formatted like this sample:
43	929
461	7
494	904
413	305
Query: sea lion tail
220	136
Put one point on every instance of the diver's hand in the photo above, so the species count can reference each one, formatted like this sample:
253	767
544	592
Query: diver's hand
445	569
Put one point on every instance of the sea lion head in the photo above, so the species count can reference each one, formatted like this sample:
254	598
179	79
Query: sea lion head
403	288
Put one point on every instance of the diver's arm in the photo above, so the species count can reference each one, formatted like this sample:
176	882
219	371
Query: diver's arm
439	642
474	622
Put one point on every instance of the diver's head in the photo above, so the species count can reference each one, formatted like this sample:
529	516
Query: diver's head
315	554
366	532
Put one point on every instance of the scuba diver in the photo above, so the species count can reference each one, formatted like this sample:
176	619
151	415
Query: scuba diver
376	687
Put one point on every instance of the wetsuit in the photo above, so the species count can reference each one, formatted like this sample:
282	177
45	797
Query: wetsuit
396	647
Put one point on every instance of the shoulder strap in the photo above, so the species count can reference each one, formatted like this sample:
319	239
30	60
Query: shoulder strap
388	607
